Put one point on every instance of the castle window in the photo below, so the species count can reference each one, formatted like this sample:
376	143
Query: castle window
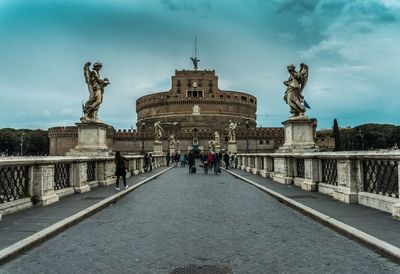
189	83
244	98
261	142
178	84
209	90
210	83
251	101
194	93
178	90
199	83
222	96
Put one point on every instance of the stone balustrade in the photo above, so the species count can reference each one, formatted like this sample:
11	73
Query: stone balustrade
28	181
366	178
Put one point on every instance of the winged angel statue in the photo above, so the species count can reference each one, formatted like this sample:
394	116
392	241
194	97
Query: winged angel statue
295	85
96	87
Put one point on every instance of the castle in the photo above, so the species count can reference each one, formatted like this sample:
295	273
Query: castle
192	110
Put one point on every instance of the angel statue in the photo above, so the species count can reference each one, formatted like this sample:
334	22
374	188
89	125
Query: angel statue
157	131
172	141
195	61
295	85
216	138
231	131
96	90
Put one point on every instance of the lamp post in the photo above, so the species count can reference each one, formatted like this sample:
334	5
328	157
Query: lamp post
22	142
247	135
143	124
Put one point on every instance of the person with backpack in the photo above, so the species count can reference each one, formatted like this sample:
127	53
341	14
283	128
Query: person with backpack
121	164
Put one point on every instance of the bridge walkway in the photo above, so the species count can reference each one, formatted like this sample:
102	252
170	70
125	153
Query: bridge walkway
182	219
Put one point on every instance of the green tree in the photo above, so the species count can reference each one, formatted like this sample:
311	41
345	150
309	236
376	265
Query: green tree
336	135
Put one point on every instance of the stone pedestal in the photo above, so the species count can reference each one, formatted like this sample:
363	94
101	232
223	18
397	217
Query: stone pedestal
43	185
91	140
157	148
232	147
299	135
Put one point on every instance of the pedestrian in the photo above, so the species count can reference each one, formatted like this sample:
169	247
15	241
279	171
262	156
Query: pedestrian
226	160
236	160
146	162
182	160
151	160
168	157
121	164
191	162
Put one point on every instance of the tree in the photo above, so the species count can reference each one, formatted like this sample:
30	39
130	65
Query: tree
34	142
336	135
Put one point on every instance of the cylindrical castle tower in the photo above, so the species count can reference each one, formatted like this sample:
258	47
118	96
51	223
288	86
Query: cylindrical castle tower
197	104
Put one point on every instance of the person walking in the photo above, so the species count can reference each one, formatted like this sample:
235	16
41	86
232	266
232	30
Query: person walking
121	164
146	162
151	160
226	160
191	162
168	157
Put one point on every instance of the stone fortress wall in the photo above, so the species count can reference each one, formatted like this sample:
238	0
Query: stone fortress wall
62	139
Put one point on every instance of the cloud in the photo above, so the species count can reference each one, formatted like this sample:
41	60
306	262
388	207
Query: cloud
351	48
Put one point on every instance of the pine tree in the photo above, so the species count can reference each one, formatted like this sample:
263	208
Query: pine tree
336	135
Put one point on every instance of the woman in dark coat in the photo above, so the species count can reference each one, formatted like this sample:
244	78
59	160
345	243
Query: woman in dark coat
120	168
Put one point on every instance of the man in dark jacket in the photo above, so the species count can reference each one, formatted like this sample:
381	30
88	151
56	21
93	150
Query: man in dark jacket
226	160
191	161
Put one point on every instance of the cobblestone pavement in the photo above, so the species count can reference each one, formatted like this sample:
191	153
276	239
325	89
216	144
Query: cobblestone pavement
181	219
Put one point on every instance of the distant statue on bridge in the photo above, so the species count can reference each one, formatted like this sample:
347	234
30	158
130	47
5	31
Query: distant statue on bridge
96	87
172	141
295	85
157	131
231	131
216	139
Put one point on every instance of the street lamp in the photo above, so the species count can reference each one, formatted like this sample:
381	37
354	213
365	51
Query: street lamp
247	135
22	142
143	124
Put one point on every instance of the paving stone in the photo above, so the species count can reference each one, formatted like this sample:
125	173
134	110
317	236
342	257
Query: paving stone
181	219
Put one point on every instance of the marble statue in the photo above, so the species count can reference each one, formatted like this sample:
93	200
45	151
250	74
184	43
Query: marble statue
216	139
231	131
295	85
96	87
157	131
172	141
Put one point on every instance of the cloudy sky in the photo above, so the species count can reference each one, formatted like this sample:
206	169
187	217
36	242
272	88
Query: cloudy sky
352	48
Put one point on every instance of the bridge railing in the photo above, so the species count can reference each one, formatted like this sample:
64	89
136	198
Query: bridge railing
367	178
28	181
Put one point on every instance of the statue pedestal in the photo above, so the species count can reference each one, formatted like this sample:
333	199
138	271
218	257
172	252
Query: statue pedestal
232	147
157	148
299	135
91	140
